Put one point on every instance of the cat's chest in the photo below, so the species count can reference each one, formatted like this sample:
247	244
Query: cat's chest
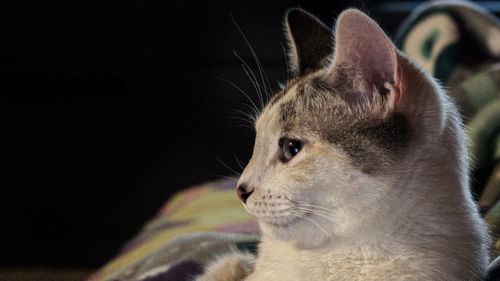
334	266
347	269
290	266
355	268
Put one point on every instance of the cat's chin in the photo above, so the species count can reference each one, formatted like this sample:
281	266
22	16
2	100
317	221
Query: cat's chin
276	223
284	224
299	231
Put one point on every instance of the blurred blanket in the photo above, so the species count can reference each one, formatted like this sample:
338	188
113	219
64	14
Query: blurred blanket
460	45
193	228
456	42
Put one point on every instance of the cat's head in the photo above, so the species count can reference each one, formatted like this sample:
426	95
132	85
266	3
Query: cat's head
330	144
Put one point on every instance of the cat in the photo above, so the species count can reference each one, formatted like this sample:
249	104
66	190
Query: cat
359	169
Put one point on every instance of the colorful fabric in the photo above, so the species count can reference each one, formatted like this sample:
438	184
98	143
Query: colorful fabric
192	229
456	42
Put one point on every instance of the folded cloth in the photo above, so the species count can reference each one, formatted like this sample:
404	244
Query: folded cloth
192	229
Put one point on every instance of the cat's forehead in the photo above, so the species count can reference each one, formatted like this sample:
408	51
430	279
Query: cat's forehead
303	104
272	111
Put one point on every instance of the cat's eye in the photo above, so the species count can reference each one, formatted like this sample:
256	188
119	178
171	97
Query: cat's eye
289	148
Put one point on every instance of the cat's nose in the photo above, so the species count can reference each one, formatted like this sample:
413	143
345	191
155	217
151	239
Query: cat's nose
244	191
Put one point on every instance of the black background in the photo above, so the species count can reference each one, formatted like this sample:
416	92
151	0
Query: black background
107	108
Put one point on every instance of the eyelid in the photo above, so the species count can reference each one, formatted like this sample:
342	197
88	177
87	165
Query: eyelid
303	142
291	137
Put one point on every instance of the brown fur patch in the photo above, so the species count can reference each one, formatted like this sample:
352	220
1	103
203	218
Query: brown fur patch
330	113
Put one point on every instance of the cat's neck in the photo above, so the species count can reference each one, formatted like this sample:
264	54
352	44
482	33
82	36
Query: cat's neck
321	263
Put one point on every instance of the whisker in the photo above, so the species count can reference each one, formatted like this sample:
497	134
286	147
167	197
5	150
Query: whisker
319	214
311	221
251	75
313	210
240	163
253	111
243	126
251	118
256	85
259	65
246	123
227	167
310	205
240	90
316	206
225	177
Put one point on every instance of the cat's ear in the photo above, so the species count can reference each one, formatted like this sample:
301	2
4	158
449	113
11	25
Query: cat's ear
364	54
309	42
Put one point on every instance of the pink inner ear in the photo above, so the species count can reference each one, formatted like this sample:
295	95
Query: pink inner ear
363	47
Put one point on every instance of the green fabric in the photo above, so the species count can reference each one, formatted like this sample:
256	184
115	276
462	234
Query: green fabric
492	190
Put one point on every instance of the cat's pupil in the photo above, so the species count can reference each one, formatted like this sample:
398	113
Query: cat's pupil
290	148
294	147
